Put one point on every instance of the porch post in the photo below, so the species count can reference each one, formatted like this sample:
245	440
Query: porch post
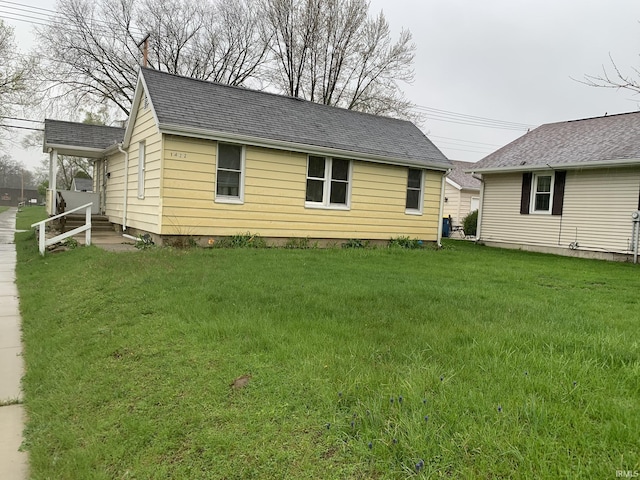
53	174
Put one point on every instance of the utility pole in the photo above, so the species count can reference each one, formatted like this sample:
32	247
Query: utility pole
145	49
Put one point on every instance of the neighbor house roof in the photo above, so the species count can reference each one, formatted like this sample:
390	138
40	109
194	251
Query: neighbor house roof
609	140
460	179
80	139
83	184
188	106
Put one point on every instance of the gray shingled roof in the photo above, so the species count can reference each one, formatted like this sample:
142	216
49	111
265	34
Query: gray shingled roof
614	139
196	104
81	135
465	180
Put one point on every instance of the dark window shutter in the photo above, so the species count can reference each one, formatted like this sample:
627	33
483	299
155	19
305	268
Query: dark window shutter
558	193
525	199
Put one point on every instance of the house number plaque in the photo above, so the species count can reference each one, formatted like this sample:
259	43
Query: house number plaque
181	155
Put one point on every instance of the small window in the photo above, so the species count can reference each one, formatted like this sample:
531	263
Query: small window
542	193
328	181
141	168
414	191
229	173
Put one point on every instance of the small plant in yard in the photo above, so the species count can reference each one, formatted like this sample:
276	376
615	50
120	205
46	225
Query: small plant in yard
470	223
405	242
70	243
242	240
300	243
356	243
144	242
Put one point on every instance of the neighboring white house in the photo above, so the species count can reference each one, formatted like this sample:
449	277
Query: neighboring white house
461	192
569	188
82	185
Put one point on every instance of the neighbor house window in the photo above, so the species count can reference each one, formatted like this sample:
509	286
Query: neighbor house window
141	167
414	191
229	173
328	182
542	191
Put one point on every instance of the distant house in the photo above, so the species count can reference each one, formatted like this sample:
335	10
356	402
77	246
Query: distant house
82	184
569	188
210	160
461	192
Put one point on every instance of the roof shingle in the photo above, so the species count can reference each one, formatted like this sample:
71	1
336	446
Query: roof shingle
207	106
57	132
613	138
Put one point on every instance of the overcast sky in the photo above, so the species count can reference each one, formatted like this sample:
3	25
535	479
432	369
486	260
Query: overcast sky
506	60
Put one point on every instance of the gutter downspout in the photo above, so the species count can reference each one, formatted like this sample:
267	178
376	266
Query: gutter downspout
444	175
480	209
126	187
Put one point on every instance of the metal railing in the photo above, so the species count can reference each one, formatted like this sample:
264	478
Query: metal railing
43	242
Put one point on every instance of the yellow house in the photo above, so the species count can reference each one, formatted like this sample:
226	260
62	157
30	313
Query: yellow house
208	160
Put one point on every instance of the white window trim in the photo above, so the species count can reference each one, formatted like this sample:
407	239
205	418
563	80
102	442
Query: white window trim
239	200
326	191
415	211
534	186
141	168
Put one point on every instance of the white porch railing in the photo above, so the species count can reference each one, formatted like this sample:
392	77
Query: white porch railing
42	239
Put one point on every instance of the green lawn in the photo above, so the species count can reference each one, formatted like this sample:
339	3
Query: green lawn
467	362
3	209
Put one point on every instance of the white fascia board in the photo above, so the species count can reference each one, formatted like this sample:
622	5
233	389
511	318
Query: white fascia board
141	88
453	184
75	151
292	146
627	162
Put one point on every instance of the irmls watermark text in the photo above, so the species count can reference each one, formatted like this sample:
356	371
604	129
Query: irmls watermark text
627	473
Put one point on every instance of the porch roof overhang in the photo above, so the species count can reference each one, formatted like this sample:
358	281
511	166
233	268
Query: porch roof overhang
77	151
80	139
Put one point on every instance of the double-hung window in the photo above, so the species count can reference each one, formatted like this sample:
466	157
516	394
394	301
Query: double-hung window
414	191
328	182
542	193
230	173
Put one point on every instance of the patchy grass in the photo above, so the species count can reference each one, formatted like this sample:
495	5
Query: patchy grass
389	363
28	216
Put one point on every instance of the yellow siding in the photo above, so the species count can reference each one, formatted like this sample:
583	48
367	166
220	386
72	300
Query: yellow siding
142	213
274	198
597	211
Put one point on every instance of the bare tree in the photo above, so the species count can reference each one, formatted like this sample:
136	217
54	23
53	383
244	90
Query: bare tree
333	52
94	53
15	75
616	79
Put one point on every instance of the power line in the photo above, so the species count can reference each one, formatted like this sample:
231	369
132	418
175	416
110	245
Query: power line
22	128
465	141
22	119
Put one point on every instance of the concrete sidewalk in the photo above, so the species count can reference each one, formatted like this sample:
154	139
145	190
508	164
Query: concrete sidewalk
13	463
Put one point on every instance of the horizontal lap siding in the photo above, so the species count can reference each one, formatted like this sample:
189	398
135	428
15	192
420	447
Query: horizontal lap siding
598	206
597	211
143	213
275	185
501	218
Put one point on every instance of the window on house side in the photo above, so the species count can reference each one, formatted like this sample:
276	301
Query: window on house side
141	169
542	191
414	191
328	181
229	173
